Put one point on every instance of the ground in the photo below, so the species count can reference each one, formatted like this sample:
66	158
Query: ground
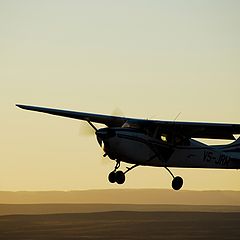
122	225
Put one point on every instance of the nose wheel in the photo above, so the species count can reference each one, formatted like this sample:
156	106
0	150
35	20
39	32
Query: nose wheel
116	177
119	176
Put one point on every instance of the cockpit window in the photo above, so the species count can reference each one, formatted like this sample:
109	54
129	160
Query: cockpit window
148	130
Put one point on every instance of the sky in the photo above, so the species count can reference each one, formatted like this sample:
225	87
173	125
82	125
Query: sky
150	59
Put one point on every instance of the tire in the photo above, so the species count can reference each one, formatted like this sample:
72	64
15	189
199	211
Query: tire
112	177
120	177
177	183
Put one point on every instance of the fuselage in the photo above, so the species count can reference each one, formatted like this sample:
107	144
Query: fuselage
137	147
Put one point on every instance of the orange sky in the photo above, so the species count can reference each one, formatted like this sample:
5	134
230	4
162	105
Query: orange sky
151	59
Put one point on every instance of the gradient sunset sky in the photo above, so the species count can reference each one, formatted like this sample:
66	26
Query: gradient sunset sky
151	59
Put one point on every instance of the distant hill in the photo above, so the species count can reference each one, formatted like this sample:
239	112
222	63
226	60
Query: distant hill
124	196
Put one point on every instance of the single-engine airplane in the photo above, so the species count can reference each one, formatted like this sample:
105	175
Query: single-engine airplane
158	143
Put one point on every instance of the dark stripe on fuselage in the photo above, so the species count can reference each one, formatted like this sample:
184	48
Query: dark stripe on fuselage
235	160
233	150
231	146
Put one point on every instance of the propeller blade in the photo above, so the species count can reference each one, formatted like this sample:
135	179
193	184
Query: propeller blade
117	112
86	130
100	141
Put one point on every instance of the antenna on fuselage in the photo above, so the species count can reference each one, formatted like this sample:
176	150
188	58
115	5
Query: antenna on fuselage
173	142
177	116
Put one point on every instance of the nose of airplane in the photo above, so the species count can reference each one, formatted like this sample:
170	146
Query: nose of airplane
104	134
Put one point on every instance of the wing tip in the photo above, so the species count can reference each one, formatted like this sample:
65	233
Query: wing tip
22	106
19	105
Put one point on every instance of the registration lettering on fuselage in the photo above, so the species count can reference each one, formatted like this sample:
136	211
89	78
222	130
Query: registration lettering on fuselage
210	156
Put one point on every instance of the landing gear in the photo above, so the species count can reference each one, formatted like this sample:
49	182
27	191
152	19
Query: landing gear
177	182
118	176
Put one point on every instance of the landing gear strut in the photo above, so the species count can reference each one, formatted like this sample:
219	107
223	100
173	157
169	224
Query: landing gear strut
177	182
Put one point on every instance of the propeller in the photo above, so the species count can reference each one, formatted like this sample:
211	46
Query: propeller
91	130
117	112
86	130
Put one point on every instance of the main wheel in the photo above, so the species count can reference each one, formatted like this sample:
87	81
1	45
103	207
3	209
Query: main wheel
112	177
120	177
177	183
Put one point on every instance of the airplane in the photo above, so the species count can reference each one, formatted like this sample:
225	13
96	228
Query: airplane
157	143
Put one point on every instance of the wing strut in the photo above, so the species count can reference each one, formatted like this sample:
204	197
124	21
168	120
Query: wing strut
91	124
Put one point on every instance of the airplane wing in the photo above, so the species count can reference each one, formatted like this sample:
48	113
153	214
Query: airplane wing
110	121
186	129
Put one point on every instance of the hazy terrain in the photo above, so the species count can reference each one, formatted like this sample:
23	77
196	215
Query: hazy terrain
122	225
26	209
124	196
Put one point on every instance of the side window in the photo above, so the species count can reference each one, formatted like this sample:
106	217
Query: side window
162	136
171	139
